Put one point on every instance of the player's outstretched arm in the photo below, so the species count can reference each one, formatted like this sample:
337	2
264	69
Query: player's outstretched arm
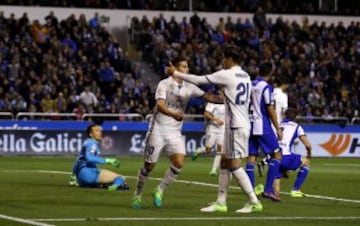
113	161
217	99
195	79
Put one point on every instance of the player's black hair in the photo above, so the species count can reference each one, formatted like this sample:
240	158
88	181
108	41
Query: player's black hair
233	53
265	69
89	128
280	80
290	113
176	61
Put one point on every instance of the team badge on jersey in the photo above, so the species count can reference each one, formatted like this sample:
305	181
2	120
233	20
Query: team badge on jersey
93	148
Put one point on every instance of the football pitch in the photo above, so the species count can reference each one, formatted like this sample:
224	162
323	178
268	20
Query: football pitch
35	191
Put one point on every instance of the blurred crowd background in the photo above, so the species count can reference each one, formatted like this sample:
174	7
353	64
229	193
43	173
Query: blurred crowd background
271	6
76	65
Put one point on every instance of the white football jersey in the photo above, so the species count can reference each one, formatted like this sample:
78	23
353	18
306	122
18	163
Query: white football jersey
236	84
218	111
176	96
291	131
261	96
281	103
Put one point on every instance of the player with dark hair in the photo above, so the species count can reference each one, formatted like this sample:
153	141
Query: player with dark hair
290	160
172	96
85	168
263	117
236	84
281	104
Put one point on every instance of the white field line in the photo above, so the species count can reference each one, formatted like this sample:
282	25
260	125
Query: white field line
195	183
342	164
244	218
25	221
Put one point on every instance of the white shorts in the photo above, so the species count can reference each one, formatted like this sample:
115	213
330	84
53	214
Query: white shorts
155	143
236	143
214	138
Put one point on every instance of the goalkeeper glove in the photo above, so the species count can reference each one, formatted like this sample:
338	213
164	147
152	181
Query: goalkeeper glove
112	161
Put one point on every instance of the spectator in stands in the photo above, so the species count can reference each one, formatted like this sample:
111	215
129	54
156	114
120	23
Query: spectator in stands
60	103
307	54
52	18
79	110
88	98
95	21
47	104
68	41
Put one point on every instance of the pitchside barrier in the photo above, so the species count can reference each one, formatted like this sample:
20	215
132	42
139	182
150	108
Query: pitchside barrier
43	138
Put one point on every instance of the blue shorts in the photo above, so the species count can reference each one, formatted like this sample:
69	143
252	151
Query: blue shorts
88	177
268	143
290	162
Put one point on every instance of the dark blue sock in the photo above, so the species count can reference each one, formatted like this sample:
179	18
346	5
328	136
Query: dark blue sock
302	174
273	170
250	172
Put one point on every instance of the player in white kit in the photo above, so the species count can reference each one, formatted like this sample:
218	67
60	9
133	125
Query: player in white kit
236	84
172	96
290	160
214	137
280	98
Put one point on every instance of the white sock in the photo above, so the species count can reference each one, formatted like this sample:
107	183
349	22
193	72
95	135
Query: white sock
170	176
244	182
224	181
200	150
216	162
142	178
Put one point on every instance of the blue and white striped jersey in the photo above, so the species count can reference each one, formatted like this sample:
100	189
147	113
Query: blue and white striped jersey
261	96
291	131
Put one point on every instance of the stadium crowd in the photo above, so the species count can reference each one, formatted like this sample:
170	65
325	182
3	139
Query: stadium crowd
319	62
76	65
271	6
73	65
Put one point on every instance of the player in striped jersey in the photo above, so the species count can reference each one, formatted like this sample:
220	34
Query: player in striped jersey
236	84
281	104
172	96
263	117
290	160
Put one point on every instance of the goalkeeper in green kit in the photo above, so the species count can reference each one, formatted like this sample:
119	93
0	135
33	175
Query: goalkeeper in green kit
85	170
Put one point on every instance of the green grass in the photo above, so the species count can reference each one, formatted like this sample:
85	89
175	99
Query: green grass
28	193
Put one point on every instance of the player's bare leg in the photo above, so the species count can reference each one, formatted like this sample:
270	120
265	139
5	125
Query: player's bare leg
142	178
300	178
216	162
177	162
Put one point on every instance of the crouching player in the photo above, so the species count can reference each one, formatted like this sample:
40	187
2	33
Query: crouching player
85	170
290	160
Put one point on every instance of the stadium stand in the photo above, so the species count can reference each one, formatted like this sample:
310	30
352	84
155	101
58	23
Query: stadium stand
319	61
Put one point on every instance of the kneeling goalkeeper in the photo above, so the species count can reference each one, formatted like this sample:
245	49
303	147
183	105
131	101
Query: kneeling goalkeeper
85	170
